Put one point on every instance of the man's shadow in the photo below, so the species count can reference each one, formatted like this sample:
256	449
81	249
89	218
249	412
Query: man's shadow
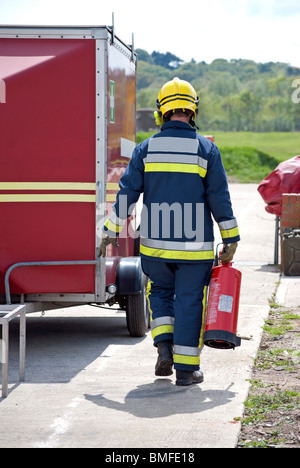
162	398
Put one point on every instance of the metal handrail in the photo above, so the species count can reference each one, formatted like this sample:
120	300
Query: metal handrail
51	263
277	236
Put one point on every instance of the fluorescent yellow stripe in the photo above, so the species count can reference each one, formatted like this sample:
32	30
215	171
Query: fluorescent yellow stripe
190	360
203	316
47	198
112	227
229	233
175	167
47	186
112	186
177	254
148	297
161	330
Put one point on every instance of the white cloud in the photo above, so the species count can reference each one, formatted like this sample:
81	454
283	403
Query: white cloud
286	8
273	8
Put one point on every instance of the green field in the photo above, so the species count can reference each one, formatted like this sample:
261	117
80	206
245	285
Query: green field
249	156
281	145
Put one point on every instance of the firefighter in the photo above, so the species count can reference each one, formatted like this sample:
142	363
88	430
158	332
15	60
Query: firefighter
184	184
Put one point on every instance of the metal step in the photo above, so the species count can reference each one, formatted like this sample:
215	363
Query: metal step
8	313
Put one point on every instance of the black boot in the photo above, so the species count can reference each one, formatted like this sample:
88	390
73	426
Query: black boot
164	362
185	378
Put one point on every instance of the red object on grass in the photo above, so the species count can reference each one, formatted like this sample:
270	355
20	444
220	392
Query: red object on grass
284	179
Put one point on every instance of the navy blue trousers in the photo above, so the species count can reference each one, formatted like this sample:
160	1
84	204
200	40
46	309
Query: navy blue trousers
177	298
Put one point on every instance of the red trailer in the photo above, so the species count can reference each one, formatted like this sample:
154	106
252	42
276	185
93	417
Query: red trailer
67	120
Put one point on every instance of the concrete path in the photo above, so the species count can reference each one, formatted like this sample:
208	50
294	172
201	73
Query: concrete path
89	384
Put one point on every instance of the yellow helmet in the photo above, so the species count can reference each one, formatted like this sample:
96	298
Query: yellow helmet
177	94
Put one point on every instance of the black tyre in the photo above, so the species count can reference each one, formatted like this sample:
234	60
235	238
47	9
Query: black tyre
137	312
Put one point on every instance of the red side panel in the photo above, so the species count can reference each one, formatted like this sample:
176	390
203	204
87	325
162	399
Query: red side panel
47	155
121	134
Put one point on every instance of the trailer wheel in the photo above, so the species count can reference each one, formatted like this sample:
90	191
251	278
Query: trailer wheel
137	311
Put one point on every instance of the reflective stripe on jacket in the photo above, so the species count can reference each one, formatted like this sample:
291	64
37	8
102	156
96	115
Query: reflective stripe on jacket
183	181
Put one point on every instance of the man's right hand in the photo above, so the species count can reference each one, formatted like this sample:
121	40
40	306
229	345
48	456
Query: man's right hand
106	240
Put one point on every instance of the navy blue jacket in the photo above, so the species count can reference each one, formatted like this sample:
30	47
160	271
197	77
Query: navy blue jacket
183	181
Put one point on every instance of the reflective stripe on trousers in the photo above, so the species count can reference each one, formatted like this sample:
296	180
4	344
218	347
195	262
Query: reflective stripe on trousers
189	355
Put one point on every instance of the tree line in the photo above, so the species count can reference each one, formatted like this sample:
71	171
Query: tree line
235	95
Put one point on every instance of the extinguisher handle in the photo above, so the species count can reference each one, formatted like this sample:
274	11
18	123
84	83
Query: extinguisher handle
216	262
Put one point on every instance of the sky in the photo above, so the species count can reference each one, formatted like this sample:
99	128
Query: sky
259	30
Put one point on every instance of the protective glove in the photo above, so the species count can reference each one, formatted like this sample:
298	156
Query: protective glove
106	240
228	252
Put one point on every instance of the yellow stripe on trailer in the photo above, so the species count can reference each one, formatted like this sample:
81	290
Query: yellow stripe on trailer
47	197
47	186
112	186
32	197
111	197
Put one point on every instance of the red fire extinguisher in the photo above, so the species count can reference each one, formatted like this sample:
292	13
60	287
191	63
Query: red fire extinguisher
223	307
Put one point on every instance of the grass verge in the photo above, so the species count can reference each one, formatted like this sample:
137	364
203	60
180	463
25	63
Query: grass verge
272	410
